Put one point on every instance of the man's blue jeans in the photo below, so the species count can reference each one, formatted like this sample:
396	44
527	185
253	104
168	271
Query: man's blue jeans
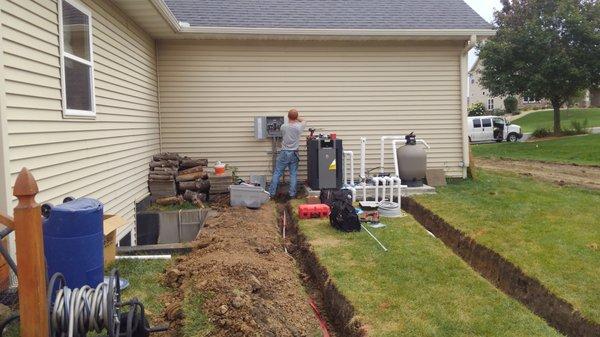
290	159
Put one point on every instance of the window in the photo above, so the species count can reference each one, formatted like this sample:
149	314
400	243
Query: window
486	122
490	104
77	70
529	100
476	123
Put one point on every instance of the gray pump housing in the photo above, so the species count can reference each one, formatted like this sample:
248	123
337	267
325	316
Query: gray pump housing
412	162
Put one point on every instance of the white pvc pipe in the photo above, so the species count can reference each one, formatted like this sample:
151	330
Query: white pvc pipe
382	151
398	181
390	181
394	150
364	188
363	155
376	181
143	257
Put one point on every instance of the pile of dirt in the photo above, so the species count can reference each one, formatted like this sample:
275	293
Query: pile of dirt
250	285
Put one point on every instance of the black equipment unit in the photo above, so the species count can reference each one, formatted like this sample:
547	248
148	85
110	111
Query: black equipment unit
325	163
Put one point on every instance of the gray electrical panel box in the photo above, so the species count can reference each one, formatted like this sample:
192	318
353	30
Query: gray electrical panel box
268	127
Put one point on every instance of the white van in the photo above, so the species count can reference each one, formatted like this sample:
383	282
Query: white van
492	128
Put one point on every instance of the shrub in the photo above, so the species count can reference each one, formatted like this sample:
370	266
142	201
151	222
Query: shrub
541	133
477	109
511	104
579	127
498	112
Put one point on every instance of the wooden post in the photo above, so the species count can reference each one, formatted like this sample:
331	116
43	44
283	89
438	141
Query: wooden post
33	306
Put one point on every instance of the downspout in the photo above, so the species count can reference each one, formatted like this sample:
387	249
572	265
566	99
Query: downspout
464	57
160	147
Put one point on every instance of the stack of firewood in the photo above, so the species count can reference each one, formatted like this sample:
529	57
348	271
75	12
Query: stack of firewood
174	179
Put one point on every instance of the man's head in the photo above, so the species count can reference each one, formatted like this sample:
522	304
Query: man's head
293	114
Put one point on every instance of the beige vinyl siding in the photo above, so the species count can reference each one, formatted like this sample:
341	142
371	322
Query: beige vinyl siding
211	91
105	157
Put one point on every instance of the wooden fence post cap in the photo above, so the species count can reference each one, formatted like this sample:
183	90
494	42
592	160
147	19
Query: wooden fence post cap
25	184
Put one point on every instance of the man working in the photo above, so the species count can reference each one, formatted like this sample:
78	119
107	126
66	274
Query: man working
288	157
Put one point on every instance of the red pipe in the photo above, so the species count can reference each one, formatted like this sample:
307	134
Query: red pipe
322	322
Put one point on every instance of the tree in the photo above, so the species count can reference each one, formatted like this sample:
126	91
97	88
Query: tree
511	105
477	109
544	49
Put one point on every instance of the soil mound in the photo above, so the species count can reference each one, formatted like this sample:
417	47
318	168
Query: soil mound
251	287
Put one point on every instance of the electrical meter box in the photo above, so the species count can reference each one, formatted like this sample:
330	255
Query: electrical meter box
268	127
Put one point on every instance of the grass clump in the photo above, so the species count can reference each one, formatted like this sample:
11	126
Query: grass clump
581	150
164	208
195	321
145	282
419	287
550	232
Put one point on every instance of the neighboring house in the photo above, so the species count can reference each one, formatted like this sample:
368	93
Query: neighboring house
477	93
595	98
90	89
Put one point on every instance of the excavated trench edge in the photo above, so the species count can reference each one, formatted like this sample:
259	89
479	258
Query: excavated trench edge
339	312
503	274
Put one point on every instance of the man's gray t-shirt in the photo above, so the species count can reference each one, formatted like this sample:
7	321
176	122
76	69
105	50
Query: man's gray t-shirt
291	135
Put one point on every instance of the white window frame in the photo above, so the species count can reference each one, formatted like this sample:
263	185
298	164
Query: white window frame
490	104
74	112
529	100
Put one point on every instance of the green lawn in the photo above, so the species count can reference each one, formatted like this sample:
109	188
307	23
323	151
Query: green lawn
545	119
418	288
583	150
145	283
551	232
145	278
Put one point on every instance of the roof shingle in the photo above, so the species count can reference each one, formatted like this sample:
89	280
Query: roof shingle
328	14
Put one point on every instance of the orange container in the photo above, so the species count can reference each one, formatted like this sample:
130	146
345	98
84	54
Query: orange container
219	168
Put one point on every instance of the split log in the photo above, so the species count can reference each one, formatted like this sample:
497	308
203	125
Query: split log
191	196
195	198
191	176
166	169
166	156
198	186
162	173
177	200
194	169
160	177
164	163
187	162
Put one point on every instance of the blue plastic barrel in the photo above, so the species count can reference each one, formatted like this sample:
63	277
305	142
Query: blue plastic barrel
74	242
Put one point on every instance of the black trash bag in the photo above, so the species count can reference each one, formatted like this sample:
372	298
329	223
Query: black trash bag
343	216
329	196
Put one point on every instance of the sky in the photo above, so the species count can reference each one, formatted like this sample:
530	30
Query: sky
485	8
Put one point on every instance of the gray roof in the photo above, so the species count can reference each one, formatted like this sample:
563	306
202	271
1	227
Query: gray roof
328	14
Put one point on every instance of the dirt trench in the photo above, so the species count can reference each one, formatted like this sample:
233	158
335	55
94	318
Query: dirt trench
249	285
506	276
561	174
338	311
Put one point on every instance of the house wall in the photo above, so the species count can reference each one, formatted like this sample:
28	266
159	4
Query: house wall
479	94
105	157
210	93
